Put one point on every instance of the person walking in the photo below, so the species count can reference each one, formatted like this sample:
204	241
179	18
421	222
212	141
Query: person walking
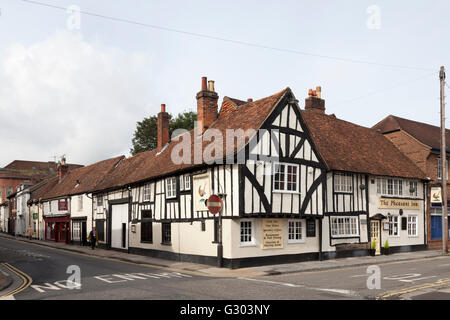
93	237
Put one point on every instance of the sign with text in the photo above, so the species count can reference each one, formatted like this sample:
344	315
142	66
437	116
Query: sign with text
272	234
436	195
62	205
404	204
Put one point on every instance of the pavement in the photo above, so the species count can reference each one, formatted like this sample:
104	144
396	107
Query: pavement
205	270
5	280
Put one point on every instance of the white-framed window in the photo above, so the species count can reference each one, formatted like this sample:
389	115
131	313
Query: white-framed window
344	226
181	182
285	177
413	185
412	226
247	237
100	201
393	225
295	231
343	182
390	187
80	202
171	187
439	165
147	192
187	182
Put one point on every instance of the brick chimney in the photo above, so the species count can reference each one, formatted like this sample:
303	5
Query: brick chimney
62	169
314	102
206	106
163	128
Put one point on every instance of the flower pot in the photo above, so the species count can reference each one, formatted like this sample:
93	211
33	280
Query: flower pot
385	251
372	252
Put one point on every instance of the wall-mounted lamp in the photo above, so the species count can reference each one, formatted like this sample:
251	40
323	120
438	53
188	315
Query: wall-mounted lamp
400	212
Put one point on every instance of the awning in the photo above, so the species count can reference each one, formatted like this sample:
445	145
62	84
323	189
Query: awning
378	216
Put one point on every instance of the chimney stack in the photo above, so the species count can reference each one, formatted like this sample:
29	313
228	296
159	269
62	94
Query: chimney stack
62	169
206	105
314	102
163	128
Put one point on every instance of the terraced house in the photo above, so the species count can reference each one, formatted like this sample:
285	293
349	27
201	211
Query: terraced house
296	185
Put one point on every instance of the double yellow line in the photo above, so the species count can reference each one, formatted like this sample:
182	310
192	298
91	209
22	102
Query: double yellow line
412	289
26	280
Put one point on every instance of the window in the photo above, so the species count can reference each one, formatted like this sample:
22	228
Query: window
147	192
9	190
246	233
171	187
166	233
412	226
343	182
181	183
146	226
76	231
393	225
187	182
390	187
439	165
285	177
295	231
80	202
100	201
344	226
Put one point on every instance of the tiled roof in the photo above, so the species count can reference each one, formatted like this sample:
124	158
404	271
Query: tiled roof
427	134
230	105
81	180
149	165
22	169
349	147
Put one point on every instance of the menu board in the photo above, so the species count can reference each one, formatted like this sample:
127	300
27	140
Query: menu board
272	234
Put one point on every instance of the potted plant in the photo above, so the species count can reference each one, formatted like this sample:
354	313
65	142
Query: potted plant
373	248
386	248
362	186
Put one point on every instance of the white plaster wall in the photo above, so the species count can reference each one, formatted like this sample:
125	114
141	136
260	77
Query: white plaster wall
402	239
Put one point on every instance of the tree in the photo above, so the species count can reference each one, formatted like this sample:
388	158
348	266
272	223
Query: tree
146	135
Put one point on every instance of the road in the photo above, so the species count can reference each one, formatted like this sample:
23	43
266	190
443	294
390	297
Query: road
50	269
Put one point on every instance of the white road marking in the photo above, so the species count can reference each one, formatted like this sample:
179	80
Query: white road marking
444	265
340	291
409	277
8	298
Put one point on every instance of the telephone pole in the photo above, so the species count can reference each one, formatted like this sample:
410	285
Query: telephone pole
443	164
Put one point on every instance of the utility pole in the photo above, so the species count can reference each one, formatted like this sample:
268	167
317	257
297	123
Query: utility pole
443	164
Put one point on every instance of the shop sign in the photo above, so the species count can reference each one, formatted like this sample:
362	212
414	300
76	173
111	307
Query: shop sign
272	234
436	195
404	204
62	205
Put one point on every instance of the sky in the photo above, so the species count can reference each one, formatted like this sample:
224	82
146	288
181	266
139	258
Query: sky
76	84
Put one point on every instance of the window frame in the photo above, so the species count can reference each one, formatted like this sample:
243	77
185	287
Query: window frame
285	178
392	187
80	202
187	182
181	182
250	243
173	187
392	224
416	224
335	233
100	201
147	192
340	182
302	231
439	168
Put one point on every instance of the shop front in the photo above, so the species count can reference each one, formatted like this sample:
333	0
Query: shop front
57	229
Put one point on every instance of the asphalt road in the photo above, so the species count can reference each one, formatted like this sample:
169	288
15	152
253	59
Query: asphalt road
51	269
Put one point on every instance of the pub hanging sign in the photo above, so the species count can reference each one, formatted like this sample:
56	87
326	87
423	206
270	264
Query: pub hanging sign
62	205
436	195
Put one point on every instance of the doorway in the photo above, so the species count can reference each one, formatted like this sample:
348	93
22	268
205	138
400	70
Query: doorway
375	235
83	233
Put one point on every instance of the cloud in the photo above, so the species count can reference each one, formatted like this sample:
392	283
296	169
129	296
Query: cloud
65	95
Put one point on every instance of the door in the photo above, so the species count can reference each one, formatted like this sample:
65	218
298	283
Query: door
119	226
83	233
436	227
375	235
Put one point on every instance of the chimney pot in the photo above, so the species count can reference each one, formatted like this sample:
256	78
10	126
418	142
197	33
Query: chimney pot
319	92
163	108
204	80
249	100
211	85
